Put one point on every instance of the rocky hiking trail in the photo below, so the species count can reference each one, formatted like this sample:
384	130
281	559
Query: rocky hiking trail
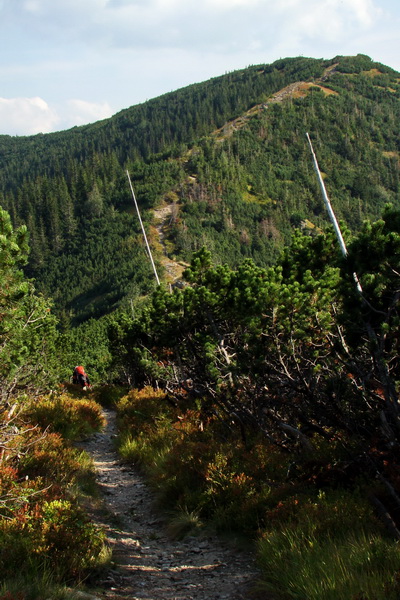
149	565
162	218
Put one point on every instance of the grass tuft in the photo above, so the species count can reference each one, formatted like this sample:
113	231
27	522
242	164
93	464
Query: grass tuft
184	523
297	564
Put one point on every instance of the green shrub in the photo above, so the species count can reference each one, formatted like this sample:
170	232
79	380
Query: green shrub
109	395
140	409
45	537
72	418
52	535
69	540
49	458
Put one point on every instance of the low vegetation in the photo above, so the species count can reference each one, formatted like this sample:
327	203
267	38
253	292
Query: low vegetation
46	537
329	540
72	418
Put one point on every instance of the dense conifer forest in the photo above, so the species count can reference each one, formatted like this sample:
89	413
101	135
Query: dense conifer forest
230	154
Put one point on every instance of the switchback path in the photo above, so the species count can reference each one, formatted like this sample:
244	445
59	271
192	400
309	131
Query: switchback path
151	566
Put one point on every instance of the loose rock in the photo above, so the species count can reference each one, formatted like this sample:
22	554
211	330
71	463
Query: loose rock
154	567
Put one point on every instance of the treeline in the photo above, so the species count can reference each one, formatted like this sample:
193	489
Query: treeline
150	128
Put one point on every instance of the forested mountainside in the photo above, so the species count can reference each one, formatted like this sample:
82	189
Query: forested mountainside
230	154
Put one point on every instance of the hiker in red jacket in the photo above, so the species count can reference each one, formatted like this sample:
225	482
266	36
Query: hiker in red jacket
80	377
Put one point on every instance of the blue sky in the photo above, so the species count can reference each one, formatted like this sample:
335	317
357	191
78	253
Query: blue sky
71	62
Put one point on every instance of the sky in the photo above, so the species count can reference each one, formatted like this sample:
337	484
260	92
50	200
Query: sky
72	62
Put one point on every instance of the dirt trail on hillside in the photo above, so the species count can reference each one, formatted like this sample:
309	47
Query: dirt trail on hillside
149	565
293	90
162	218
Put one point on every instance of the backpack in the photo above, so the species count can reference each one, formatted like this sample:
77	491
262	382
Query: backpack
79	376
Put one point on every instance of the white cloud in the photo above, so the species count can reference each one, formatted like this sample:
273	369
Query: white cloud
175	23
365	11
26	116
80	112
334	19
331	26
29	116
116	53
32	6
